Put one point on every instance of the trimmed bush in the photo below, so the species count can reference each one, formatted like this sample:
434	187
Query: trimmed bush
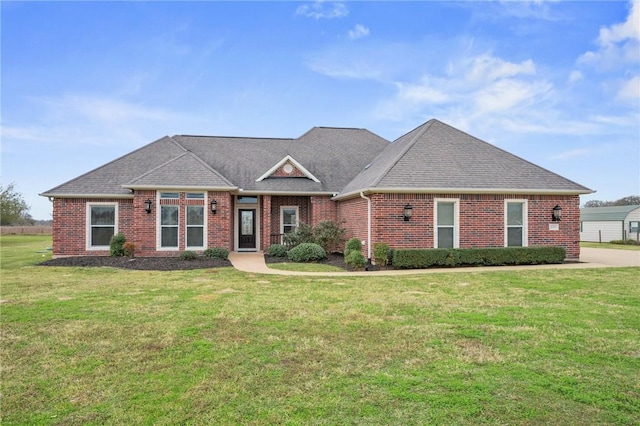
329	236
116	245
306	252
129	249
302	234
188	255
355	259
216	253
381	254
277	250
353	244
494	256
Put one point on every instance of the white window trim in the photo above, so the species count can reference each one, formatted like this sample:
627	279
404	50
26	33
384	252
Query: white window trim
88	224
282	208
204	226
525	220
456	220
159	246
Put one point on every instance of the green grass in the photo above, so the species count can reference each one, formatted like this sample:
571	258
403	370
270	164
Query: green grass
610	246
304	267
217	346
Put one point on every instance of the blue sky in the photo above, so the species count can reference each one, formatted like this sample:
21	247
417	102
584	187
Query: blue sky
557	83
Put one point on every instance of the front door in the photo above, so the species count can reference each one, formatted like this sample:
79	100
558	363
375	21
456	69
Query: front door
247	229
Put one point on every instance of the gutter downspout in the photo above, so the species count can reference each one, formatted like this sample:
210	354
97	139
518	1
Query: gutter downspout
368	225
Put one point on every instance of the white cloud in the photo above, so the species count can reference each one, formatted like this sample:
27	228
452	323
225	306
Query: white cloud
574	153
630	90
618	44
486	68
358	31
575	76
323	10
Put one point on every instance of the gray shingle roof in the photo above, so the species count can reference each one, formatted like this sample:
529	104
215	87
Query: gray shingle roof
615	213
436	157
108	179
333	155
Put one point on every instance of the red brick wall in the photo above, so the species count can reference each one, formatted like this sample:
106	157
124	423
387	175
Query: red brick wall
481	220
304	210
220	225
352	216
70	224
322	208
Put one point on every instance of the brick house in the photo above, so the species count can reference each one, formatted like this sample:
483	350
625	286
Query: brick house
435	186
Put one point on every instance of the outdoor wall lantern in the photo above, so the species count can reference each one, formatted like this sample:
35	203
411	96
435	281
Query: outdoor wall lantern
147	206
408	210
214	206
557	213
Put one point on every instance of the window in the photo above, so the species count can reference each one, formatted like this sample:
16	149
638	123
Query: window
102	225
288	219
169	195
515	223
195	196
247	200
195	226
446	235
169	226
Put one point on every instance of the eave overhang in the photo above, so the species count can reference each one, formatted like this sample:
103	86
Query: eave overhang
501	191
80	195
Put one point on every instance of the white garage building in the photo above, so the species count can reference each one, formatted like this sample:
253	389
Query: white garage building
604	224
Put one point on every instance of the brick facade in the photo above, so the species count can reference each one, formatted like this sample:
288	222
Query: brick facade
481	220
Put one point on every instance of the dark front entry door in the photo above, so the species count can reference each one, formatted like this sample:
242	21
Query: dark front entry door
247	229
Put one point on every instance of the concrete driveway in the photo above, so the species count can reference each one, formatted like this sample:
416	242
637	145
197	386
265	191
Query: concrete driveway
609	257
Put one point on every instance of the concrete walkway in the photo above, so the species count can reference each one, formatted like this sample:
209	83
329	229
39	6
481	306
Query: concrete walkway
589	258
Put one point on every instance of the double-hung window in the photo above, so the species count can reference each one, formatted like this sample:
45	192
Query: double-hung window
102	225
168	226
515	223
195	226
446	223
288	219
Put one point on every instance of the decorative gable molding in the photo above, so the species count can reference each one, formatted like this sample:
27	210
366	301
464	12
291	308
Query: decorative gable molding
288	167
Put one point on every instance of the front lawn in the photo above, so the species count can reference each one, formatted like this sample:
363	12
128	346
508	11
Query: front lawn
217	346
610	246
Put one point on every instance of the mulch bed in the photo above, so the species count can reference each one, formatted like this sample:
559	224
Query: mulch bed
139	263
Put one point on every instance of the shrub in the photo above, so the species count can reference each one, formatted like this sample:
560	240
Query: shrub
495	256
355	259
353	244
129	249
306	252
381	253
329	236
302	234
116	245
216	253
188	255
277	250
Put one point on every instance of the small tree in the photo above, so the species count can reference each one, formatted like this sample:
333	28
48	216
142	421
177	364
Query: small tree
329	235
302	234
14	210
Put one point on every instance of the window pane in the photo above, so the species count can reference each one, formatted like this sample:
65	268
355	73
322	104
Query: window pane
247	200
169	195
514	213
169	215
103	215
289	216
195	195
289	228
101	235
169	237
445	237
195	237
445	214
514	237
195	215
247	223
